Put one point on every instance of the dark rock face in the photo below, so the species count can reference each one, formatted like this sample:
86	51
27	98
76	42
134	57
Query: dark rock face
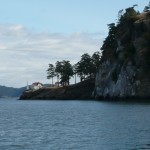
79	91
127	73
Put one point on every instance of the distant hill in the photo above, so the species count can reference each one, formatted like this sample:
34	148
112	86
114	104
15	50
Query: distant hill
10	91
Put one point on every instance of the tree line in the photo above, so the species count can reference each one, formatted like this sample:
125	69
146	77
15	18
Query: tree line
87	66
85	69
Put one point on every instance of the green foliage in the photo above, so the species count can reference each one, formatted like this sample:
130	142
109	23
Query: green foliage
129	15
96	57
87	66
84	66
110	41
51	72
120	31
86	63
65	70
96	60
59	68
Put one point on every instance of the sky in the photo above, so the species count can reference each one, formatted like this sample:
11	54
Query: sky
35	33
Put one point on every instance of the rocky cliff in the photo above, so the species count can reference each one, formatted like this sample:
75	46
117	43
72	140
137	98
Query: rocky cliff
124	70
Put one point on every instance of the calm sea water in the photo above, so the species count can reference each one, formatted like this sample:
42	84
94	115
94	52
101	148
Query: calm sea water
73	125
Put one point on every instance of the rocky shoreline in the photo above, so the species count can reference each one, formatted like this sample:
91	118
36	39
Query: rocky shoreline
79	91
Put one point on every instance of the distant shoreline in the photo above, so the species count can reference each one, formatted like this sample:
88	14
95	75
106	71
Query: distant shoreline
80	91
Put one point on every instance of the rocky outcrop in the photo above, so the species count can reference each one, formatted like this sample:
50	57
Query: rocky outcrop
78	91
126	73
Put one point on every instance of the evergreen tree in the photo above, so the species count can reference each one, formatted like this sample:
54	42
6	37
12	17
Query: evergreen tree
51	72
65	70
84	66
129	15
110	41
95	62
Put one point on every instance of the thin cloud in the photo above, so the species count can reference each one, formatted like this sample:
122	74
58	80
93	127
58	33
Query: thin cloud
25	54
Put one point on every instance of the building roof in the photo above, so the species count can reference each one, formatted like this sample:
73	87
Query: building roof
36	83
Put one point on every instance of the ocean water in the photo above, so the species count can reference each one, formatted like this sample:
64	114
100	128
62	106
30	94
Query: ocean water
73	125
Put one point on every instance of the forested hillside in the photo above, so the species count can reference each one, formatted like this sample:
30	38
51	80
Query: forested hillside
10	91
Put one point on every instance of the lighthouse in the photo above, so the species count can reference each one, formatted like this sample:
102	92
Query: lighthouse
27	88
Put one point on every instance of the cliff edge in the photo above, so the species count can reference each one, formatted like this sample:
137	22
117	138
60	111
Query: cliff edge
124	70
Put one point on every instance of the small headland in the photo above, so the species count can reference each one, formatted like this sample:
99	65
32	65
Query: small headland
79	91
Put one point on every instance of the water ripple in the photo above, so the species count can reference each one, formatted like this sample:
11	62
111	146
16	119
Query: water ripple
73	125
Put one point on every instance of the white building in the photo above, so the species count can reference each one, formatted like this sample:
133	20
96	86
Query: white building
36	86
27	88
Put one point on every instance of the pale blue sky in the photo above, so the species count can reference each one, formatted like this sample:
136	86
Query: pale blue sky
34	33
64	16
